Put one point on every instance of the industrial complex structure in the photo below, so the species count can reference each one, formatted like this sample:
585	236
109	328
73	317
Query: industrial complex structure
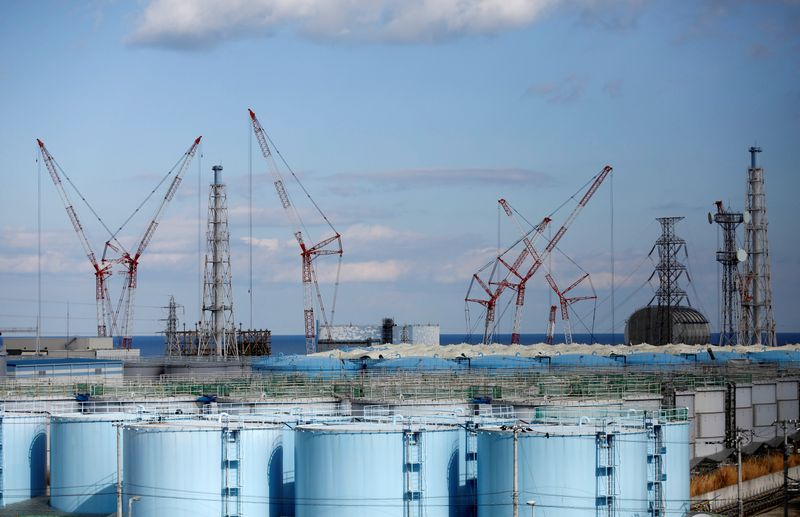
669	318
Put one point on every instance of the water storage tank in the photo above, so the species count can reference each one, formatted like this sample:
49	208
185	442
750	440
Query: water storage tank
83	462
204	468
675	440
569	470
23	456
366	470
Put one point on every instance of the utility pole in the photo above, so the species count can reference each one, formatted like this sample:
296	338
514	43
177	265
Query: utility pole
740	441
119	469
515	493
784	425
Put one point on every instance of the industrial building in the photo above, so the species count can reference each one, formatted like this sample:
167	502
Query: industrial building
331	337
586	434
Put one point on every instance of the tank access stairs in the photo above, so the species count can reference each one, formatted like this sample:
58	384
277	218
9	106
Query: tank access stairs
607	465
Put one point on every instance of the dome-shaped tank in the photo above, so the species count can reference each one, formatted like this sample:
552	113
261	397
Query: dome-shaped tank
23	443
318	366
664	325
365	470
83	462
217	468
568	470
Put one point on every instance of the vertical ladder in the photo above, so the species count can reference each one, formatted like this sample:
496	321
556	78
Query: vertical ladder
607	463
471	467
412	467
656	475
2	462
231	478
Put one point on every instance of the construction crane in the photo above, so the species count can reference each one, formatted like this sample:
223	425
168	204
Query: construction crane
551	325
131	261
522	279
492	288
102	268
331	245
565	302
537	258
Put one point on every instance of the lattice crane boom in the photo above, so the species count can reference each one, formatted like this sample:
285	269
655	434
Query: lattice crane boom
538	260
102	268
331	245
131	262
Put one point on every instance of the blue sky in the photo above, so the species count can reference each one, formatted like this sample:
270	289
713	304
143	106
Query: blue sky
406	120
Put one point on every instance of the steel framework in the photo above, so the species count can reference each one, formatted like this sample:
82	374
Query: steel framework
729	259
331	245
757	321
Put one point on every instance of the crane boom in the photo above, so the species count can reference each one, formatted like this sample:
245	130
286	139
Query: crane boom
102	269
537	258
128	294
307	253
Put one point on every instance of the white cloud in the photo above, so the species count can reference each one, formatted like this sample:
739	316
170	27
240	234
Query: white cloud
201	24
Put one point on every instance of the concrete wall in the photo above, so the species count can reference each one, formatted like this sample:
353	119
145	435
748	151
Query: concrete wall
729	495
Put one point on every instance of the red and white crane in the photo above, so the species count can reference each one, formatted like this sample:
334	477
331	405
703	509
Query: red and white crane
102	268
331	245
131	261
565	302
537	261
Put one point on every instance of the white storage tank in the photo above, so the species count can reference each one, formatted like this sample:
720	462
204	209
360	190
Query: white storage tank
386	469
83	461
23	456
204	468
579	469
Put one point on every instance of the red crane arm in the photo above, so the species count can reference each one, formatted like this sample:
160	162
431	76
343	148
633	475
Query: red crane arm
73	216
575	283
173	187
582	203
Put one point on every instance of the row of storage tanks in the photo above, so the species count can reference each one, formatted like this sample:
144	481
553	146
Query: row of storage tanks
330	364
571	462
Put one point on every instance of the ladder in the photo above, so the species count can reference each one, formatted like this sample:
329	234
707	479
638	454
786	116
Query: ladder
471	468
607	463
2	473
231	472
412	470
656	475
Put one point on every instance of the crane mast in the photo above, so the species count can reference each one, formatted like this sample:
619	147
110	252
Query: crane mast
131	262
537	261
329	246
102	268
565	302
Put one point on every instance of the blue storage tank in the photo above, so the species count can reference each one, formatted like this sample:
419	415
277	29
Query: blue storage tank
23	456
504	362
655	359
204	468
366	470
581	360
562	468
417	364
308	365
675	440
775	356
83	461
719	357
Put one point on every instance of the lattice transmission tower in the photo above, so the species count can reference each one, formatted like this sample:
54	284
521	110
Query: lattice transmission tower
757	322
669	270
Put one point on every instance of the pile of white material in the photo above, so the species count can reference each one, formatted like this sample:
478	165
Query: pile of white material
540	349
